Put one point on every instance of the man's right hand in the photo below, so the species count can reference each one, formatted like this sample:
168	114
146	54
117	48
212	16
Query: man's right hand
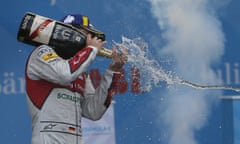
94	41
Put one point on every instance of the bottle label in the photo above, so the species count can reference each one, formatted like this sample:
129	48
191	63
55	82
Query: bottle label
41	29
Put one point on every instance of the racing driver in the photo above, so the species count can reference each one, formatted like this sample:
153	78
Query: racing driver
59	90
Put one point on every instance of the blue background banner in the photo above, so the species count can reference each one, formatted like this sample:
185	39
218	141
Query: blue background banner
197	40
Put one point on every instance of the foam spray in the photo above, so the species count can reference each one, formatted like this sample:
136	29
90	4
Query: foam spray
195	40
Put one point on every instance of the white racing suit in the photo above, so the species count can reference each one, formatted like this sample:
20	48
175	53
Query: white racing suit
60	93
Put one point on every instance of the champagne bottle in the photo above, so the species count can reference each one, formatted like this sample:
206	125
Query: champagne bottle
36	30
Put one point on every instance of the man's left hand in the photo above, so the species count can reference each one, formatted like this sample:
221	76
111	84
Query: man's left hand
119	59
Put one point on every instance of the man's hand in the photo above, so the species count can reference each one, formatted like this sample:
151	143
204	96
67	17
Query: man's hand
94	41
119	59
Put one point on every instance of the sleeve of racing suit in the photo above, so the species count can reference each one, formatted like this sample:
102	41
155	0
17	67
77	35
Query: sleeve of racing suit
97	101
44	63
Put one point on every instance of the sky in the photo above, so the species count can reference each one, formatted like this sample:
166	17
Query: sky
196	40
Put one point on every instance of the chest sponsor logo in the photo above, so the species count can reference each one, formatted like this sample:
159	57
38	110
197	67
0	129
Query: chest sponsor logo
64	96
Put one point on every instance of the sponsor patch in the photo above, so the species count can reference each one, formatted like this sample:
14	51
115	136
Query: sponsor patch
49	56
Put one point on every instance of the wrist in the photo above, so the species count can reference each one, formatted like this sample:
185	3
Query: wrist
95	49
113	72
